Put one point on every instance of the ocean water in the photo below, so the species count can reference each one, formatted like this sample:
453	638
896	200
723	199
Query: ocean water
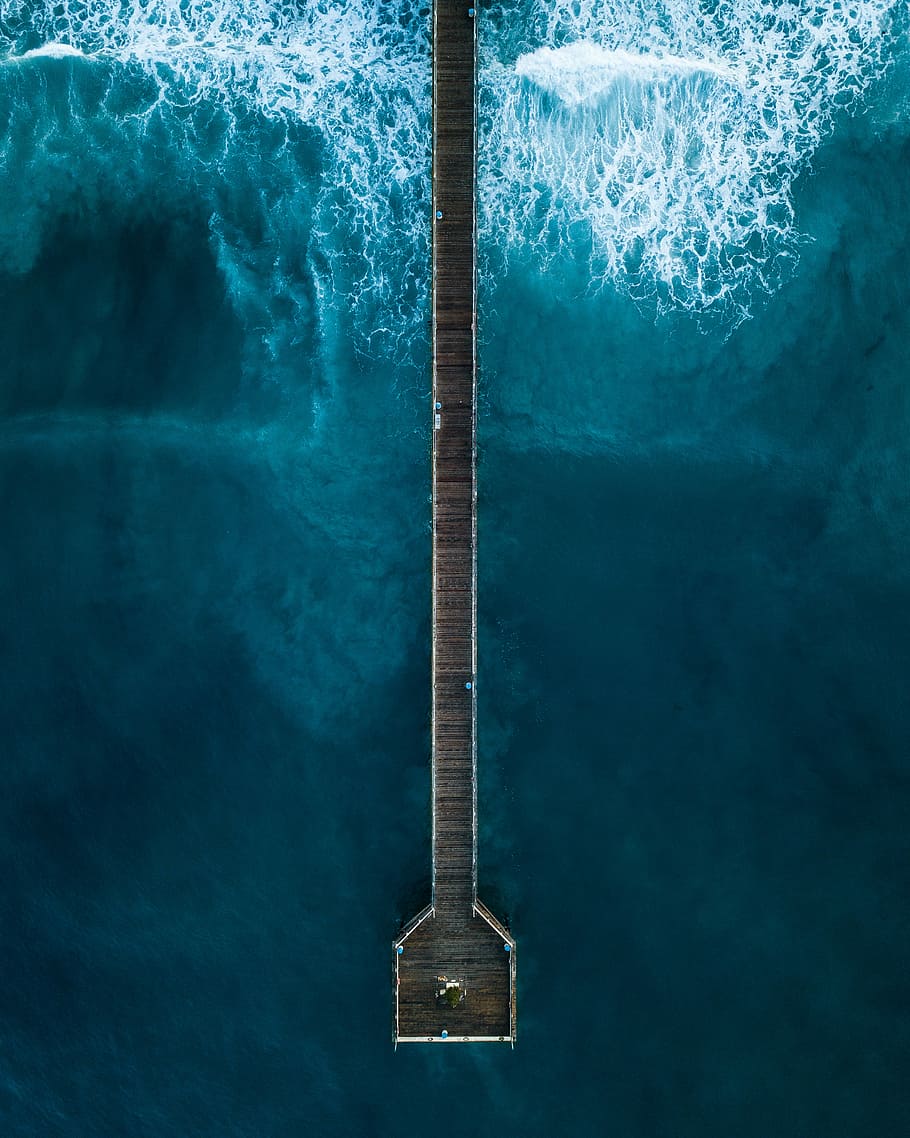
694	586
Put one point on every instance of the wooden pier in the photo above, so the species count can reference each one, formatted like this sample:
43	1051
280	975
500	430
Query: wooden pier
454	962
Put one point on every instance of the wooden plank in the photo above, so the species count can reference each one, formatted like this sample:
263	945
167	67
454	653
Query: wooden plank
454	941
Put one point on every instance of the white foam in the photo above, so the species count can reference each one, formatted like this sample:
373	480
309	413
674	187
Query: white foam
356	74
54	51
582	72
664	134
660	140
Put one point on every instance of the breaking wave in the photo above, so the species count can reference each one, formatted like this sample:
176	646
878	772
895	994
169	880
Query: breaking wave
656	144
659	143
54	51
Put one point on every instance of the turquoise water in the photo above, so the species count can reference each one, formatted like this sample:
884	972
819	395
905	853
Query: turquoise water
694	534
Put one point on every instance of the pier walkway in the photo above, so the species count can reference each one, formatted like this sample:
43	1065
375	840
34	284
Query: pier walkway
454	962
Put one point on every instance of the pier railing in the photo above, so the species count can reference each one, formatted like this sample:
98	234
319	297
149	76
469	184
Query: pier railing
455	939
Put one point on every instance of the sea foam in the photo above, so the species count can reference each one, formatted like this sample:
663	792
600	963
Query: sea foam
353	76
582	72
54	51
660	142
657	142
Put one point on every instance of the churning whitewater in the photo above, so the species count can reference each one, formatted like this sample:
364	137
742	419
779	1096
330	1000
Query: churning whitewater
658	143
674	131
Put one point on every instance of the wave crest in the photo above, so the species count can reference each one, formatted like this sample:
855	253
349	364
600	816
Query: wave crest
583	72
655	142
660	144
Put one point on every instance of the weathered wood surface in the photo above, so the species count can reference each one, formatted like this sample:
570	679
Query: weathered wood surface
469	952
457	938
454	490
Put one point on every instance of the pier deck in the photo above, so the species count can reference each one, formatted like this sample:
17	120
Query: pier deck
455	949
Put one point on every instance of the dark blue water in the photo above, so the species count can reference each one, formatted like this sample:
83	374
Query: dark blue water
694	618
